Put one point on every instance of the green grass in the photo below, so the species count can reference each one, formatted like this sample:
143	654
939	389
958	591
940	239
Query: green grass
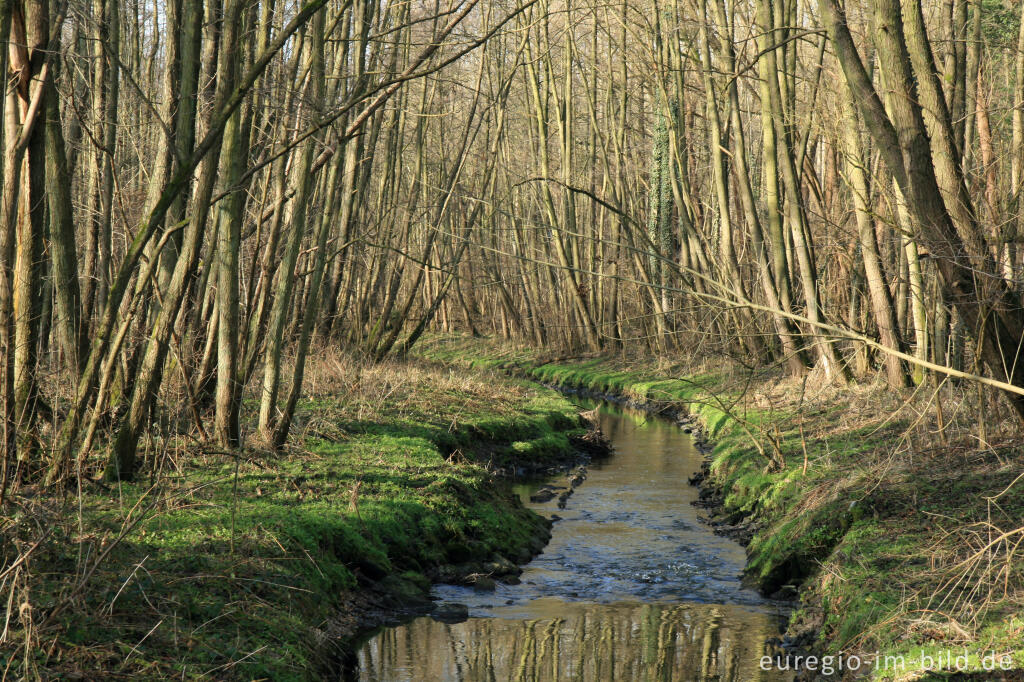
252	573
885	534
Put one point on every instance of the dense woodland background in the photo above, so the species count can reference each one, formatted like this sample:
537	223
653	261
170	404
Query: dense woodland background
198	193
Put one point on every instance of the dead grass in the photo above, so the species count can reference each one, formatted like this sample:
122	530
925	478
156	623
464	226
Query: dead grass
216	565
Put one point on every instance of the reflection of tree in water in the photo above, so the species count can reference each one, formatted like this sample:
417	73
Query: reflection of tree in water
651	642
640	434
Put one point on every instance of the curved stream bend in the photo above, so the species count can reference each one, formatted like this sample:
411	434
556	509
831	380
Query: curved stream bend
631	586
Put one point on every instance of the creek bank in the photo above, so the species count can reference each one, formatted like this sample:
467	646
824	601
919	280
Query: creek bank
740	525
262	565
868	528
396	598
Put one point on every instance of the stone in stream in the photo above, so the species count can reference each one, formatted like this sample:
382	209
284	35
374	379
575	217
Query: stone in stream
450	613
547	493
483	583
499	567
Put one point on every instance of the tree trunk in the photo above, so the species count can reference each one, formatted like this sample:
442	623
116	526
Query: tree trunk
958	250
874	271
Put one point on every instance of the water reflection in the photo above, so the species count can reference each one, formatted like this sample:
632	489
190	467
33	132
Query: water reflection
631	587
574	641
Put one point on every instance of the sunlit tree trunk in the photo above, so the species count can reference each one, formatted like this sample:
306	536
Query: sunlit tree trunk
30	27
954	241
874	271
61	235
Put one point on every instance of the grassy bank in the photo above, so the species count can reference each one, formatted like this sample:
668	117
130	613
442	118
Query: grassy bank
254	565
900	526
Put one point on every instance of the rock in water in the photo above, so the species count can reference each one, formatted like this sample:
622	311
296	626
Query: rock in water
484	584
550	492
577	477
544	494
450	613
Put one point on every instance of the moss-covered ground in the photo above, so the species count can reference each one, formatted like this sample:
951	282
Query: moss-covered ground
901	527
252	565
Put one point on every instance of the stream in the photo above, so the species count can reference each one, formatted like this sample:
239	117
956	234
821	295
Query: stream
631	587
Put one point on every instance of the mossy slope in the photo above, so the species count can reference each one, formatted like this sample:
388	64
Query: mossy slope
906	556
245	567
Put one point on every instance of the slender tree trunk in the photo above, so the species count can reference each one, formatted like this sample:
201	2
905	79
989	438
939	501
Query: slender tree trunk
796	216
720	177
231	212
30	27
268	416
874	271
8	127
309	314
63	253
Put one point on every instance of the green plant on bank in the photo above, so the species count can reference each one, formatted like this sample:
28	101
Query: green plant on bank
902	548
248	567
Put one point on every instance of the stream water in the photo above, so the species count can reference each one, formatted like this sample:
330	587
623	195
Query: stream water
631	587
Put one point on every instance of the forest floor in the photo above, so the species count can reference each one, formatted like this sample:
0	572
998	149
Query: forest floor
902	541
256	565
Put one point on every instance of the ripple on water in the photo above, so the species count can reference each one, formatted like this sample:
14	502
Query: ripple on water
631	579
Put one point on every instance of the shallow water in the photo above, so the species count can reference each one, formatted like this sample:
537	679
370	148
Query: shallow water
631	587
